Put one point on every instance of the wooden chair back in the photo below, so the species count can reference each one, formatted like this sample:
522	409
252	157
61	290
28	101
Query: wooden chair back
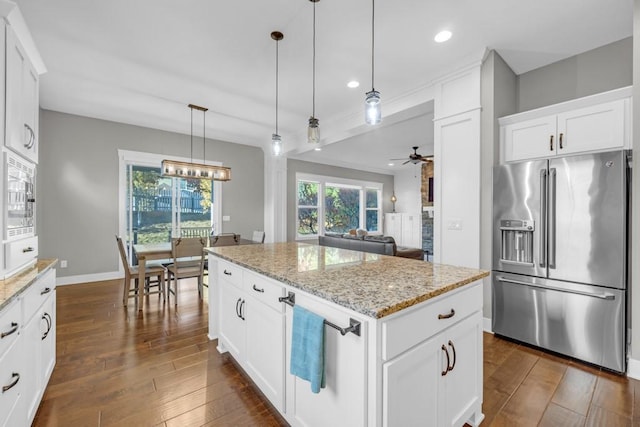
228	239
188	249
123	254
258	236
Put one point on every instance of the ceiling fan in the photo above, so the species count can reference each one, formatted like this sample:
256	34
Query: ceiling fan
416	158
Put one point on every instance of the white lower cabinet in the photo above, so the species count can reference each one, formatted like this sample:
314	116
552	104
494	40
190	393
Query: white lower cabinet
26	364
421	366
251	328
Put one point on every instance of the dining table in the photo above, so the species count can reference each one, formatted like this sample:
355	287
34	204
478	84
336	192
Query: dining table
153	251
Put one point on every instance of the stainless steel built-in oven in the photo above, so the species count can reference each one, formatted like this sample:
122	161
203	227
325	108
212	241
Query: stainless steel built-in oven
20	198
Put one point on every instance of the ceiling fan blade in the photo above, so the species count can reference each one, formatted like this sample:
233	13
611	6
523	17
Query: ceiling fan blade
403	158
406	162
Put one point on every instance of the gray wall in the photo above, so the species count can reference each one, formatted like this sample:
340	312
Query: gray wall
295	166
77	186
499	98
605	68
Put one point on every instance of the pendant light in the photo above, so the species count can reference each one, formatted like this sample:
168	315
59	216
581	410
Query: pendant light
313	133
193	170
372	107
276	139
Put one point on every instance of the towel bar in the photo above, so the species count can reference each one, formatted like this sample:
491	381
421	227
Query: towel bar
354	325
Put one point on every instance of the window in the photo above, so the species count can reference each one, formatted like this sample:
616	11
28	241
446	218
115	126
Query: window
153	208
345	205
308	208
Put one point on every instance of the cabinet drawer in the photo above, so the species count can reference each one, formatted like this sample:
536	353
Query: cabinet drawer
10	370
264	290
10	322
20	252
37	294
405	331
230	273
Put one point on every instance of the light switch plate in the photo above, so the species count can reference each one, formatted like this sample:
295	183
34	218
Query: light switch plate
226	218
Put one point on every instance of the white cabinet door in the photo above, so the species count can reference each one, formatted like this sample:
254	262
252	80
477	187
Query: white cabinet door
265	350
343	402
410	387
12	375
49	340
232	323
393	226
593	128
462	385
411	231
33	337
22	102
530	139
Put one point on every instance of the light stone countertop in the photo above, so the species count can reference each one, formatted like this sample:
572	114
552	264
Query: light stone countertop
12	287
371	284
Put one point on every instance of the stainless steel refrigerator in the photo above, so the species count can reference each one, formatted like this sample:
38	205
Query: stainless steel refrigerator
560	255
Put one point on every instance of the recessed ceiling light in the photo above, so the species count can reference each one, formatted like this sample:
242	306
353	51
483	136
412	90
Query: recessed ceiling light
353	84
317	149
442	36
391	164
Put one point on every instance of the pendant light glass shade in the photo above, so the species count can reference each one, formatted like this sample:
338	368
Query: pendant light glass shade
276	140
191	170
313	132
276	144
372	107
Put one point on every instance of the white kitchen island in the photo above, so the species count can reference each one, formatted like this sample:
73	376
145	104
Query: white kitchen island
413	352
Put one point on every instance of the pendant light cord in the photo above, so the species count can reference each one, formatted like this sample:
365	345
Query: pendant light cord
313	114
204	139
373	20
191	134
277	55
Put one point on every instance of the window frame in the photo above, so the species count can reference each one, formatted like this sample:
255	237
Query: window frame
328	181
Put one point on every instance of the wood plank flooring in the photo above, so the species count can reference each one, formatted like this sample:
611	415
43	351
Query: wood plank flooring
117	368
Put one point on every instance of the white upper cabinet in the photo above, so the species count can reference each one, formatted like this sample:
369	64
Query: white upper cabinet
22	99
595	123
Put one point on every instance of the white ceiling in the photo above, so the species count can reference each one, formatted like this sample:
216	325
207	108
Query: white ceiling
141	62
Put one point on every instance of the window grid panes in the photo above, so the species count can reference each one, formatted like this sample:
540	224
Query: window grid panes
327	206
308	209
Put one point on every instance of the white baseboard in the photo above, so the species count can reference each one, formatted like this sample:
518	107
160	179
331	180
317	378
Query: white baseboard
486	324
84	278
633	369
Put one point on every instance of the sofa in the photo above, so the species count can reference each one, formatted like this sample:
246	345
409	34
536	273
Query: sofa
384	245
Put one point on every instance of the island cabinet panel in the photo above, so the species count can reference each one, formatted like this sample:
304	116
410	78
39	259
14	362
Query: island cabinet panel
265	336
343	401
252	327
435	381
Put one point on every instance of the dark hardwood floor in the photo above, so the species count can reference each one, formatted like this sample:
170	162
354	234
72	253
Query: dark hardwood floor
115	367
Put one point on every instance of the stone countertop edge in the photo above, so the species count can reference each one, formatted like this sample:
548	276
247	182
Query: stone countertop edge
382	309
12	287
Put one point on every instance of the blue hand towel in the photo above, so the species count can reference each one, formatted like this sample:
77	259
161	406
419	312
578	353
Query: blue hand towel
307	347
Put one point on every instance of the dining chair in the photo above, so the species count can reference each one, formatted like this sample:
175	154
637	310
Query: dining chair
258	236
131	272
188	261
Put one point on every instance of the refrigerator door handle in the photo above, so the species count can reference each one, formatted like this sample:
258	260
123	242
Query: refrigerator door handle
552	218
543	218
602	295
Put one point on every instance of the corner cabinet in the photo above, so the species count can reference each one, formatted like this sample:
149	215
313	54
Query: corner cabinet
419	366
594	123
22	99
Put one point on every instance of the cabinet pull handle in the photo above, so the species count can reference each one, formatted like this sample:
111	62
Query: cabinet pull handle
45	291
551	143
454	356
14	328
28	249
560	141
448	315
228	273
10	386
242	310
447	353
257	289
32	137
47	319
237	307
